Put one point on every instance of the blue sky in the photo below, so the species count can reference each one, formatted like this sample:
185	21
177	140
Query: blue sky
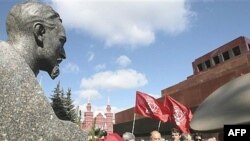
116	47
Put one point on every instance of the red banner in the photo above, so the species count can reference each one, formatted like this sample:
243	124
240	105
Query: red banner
180	114
148	106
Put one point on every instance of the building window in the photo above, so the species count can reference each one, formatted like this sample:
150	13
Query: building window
208	64
236	51
225	55
216	59
200	67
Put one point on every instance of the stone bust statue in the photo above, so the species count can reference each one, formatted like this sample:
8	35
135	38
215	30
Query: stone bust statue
35	42
35	31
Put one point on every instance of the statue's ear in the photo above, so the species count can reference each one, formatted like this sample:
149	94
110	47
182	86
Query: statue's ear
39	30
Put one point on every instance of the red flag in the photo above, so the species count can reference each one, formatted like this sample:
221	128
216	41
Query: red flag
180	114
148	106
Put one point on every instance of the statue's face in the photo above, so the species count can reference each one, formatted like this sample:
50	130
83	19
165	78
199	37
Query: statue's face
53	51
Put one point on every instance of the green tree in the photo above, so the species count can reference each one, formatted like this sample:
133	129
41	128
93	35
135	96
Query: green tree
71	112
63	105
78	116
58	103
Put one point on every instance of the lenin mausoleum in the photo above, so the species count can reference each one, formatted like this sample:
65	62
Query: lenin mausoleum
210	72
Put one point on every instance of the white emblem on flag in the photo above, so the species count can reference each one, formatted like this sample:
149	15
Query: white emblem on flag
178	115
152	106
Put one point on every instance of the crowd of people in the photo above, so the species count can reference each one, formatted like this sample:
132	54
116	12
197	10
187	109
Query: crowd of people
176	135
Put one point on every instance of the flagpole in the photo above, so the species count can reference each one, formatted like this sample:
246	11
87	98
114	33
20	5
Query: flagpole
133	124
159	125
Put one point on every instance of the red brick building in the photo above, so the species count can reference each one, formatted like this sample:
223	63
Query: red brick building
210	71
102	121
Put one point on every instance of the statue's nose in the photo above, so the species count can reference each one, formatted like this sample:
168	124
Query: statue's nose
62	54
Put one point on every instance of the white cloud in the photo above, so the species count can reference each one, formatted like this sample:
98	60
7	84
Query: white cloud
70	67
123	61
120	79
122	22
91	56
89	94
100	67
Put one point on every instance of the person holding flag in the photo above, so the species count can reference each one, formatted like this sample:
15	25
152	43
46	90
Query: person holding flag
180	114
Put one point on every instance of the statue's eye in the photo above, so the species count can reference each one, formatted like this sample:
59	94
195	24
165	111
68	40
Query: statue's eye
62	39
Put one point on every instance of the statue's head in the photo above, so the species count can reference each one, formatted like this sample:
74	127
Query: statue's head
41	24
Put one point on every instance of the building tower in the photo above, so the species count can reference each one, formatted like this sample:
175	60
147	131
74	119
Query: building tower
109	119
103	121
88	118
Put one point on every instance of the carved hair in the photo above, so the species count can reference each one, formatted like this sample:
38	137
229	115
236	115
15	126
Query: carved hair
22	17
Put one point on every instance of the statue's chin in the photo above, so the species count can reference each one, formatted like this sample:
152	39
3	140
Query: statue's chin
55	72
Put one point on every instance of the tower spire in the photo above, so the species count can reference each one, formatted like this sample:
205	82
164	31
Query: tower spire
88	105
108	101
89	99
108	108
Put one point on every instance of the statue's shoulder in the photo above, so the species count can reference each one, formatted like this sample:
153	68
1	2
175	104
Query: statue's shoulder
13	61
5	50
8	54
4	45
